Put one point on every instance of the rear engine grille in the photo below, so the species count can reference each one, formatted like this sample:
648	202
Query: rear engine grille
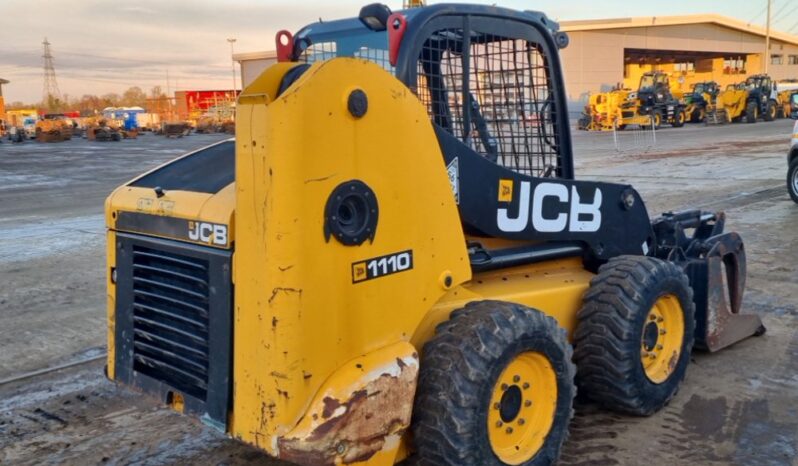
627	114
170	318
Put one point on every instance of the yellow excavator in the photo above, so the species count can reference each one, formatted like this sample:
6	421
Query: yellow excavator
394	260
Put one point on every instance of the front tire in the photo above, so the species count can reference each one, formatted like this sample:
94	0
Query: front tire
657	120
679	119
496	388
635	333
792	180
751	112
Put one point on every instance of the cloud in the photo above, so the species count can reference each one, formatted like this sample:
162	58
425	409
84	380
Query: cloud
105	46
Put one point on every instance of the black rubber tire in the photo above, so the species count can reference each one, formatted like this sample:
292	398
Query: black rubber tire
792	180
608	335
657	119
697	116
770	111
678	119
751	111
459	367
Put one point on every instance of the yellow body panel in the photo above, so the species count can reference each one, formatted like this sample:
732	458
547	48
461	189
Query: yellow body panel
606	111
554	287
215	208
733	101
298	315
110	286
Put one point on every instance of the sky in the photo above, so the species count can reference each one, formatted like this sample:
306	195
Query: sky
102	46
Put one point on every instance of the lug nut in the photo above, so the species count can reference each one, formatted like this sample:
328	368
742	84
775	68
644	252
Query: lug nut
662	331
652	317
504	386
516	378
652	355
660	319
496	405
527	403
509	430
659	347
521	422
499	423
525	385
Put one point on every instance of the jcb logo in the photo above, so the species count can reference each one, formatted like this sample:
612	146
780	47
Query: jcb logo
571	215
209	233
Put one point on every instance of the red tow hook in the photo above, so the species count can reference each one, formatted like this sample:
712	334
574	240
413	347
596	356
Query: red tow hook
397	23
285	45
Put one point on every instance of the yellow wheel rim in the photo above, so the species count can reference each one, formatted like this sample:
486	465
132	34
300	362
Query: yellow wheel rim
662	338
657	119
522	407
681	117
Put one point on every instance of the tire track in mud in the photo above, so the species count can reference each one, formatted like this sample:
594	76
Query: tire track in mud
78	417
593	435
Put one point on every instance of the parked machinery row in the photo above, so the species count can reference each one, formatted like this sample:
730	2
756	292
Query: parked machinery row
654	104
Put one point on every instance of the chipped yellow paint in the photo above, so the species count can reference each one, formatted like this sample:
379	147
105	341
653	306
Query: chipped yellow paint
360	413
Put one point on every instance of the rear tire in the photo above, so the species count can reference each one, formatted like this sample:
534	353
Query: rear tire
751	111
473	399
792	180
635	333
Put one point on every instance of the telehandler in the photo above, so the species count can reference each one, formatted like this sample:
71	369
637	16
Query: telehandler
394	259
655	98
750	100
701	101
613	110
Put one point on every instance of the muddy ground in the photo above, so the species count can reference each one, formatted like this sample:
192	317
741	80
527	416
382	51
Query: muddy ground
736	407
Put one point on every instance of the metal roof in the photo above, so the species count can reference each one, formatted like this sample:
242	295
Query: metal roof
653	21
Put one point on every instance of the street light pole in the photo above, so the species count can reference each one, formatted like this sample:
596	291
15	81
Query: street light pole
232	63
767	41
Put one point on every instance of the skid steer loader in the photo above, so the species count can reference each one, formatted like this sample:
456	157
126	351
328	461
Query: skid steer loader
394	260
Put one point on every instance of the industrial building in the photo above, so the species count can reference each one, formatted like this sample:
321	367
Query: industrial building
607	53
252	64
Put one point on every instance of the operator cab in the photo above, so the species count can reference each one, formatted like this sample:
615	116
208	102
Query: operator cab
490	79
488	84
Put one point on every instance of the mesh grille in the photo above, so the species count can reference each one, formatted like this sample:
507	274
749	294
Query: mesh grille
170	319
503	107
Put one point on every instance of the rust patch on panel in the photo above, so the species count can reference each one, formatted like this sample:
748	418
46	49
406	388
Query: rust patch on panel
355	429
